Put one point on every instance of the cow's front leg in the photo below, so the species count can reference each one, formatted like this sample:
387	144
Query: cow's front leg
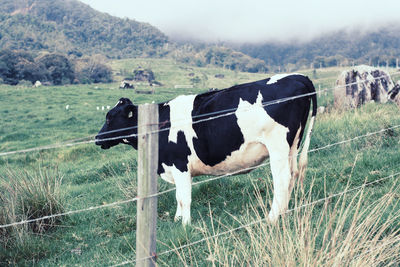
183	182
279	159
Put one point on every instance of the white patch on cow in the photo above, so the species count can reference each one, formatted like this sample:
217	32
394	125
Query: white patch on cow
280	169
181	119
183	182
167	175
249	155
254	121
256	126
277	77
119	102
125	141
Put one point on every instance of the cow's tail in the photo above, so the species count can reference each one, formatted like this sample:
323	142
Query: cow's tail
303	160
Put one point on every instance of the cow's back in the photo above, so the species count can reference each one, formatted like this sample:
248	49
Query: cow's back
223	136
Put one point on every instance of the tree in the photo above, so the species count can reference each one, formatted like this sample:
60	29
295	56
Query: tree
15	65
93	70
59	68
31	71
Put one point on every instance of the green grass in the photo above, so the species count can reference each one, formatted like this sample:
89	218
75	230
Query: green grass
34	117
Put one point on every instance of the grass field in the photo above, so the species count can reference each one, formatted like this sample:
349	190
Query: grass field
359	228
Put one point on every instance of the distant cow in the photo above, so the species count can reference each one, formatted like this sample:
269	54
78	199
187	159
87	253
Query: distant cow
37	84
125	84
252	129
361	85
394	94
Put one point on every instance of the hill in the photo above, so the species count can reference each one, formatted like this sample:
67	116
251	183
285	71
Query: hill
375	47
71	27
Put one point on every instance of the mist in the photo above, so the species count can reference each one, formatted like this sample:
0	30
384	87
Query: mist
254	21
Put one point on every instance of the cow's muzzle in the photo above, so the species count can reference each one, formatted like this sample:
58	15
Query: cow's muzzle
102	144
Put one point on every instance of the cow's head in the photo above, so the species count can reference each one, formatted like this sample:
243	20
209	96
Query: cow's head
120	126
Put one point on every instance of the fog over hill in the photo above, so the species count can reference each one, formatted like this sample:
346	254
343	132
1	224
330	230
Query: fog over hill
379	46
253	21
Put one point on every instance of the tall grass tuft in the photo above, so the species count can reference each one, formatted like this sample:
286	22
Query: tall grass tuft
347	231
28	195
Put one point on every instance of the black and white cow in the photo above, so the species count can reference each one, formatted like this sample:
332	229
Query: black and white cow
247	127
394	94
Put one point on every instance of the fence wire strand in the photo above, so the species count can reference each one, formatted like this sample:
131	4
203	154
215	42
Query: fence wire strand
264	219
193	184
213	116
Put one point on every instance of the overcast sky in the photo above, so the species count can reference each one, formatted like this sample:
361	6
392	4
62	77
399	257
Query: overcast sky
253	20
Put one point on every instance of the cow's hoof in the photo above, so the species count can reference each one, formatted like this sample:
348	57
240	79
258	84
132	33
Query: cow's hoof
272	217
185	222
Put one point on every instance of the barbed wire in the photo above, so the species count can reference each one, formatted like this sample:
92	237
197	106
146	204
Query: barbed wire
193	184
262	220
69	213
231	111
220	114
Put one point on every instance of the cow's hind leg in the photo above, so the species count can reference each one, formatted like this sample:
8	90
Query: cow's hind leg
279	159
183	182
293	161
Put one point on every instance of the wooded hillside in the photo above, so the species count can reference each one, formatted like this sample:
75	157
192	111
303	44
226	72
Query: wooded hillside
376	47
71	27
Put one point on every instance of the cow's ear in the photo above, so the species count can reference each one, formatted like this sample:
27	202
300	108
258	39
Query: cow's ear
130	111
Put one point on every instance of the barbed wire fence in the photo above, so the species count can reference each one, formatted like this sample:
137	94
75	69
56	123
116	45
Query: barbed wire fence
201	118
118	203
321	200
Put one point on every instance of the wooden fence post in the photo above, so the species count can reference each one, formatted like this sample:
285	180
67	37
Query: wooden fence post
147	185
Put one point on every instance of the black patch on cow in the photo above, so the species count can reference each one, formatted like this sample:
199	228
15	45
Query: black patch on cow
171	153
393	93
218	138
213	144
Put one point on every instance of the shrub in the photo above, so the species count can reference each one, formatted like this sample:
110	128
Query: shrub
25	83
24	196
143	75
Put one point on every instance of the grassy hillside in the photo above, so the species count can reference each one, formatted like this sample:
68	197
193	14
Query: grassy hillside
345	229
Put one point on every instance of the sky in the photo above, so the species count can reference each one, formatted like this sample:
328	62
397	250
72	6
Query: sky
252	21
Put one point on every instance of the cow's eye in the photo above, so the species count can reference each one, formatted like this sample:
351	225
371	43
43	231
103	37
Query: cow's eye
108	121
